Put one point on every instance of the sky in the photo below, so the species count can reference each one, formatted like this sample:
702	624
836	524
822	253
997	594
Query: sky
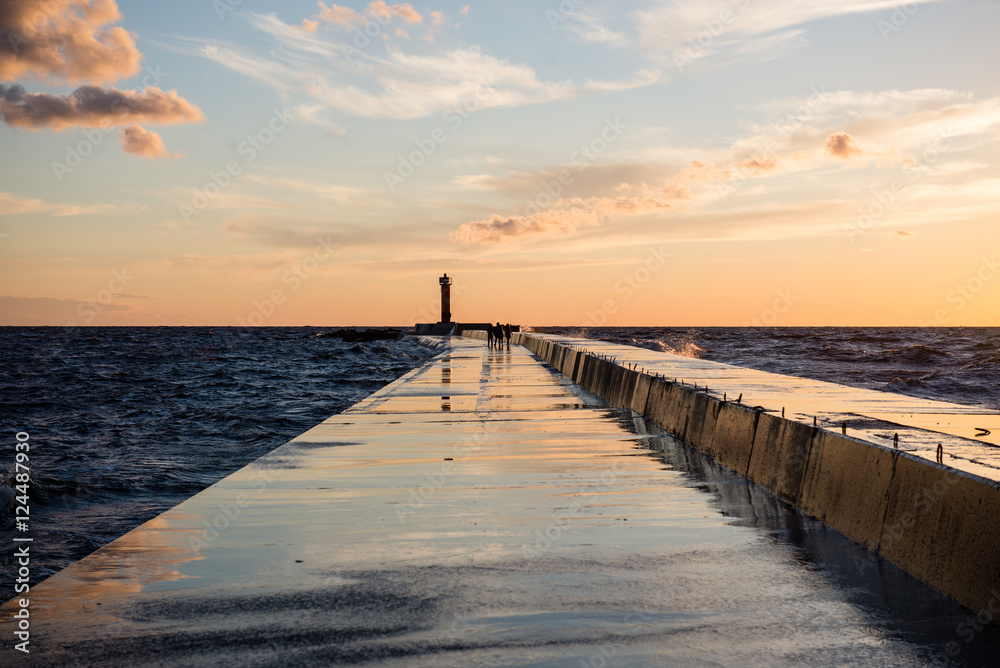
573	162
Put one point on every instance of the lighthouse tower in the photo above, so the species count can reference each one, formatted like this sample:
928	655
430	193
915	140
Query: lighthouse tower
445	298
446	326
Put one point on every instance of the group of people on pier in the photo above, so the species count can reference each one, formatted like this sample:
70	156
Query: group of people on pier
496	334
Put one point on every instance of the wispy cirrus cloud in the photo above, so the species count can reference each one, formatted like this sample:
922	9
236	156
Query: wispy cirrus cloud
238	268
390	81
268	233
12	204
707	34
339	70
889	126
591	26
342	194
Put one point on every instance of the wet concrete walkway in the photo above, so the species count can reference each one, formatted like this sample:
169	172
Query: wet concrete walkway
483	510
969	435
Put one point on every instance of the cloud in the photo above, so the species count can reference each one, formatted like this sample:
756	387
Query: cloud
596	178
142	142
404	10
241	268
497	229
12	205
919	117
65	40
900	129
841	145
93	106
756	164
700	172
890	127
379	10
726	33
293	236
565	216
336	15
587	25
569	214
342	194
72	41
376	80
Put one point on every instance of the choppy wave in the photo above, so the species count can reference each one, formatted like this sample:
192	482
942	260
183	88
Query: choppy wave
127	422
912	354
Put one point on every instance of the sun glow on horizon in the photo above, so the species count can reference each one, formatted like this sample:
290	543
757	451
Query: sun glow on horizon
681	164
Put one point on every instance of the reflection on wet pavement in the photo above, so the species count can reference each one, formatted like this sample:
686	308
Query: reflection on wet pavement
525	524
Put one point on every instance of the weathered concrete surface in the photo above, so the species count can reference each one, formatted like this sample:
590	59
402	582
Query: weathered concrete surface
483	510
937	522
732	441
945	527
836	493
870	415
780	456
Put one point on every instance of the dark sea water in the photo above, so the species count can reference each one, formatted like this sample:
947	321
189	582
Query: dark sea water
127	422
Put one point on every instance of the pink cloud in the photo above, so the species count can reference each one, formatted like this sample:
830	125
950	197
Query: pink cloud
566	216
65	40
569	214
137	140
348	18
403	10
756	164
335	15
841	145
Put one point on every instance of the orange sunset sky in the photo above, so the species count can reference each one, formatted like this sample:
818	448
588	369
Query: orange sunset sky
580	162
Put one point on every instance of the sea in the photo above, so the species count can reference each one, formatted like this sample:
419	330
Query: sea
126	422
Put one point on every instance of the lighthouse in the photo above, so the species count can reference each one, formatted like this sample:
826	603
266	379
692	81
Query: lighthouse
446	326
445	282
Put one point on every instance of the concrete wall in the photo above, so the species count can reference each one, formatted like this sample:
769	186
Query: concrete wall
940	525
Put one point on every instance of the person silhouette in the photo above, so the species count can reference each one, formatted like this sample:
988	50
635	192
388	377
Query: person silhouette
506	333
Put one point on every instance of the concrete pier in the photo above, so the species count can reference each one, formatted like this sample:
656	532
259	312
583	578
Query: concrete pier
485	509
862	461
